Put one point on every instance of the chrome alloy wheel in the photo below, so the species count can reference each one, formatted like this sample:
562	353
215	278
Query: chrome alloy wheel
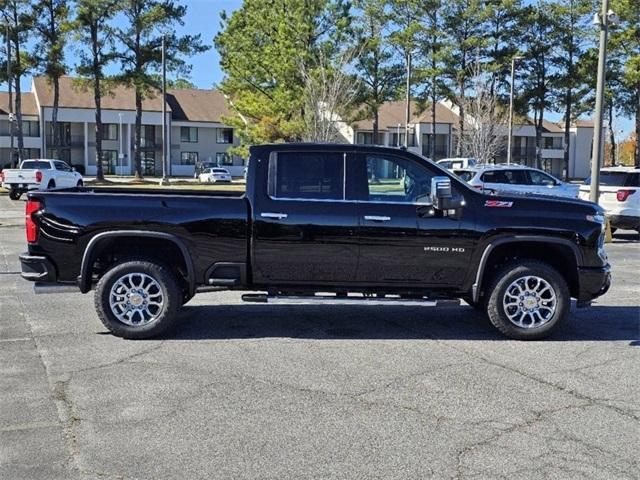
136	299
530	302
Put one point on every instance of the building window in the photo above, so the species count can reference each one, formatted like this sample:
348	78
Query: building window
188	158
63	154
397	140
224	135
547	165
109	162
109	131
148	136
189	134
64	134
223	158
553	143
366	138
30	128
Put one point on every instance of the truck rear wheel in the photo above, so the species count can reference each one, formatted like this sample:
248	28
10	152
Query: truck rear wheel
15	194
528	300
138	299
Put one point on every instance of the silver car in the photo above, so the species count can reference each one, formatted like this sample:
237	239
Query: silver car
496	179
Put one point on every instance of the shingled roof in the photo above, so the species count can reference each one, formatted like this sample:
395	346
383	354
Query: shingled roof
197	105
393	113
74	96
29	106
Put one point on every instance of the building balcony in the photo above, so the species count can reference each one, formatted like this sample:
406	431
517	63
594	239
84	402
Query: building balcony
66	141
148	144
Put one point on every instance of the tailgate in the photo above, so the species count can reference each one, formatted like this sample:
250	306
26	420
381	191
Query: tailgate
607	198
19	176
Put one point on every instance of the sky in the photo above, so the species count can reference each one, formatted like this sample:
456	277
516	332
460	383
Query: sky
203	17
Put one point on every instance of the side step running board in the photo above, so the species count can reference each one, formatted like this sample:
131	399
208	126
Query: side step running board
335	300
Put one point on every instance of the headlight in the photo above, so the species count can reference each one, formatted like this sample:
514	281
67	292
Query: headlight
597	218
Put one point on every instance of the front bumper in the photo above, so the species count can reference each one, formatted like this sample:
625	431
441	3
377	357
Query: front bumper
593	282
36	268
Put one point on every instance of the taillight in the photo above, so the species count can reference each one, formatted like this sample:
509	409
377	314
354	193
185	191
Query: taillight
1	177
622	195
32	206
38	176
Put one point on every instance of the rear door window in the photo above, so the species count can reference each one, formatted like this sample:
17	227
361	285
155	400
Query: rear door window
541	179
307	175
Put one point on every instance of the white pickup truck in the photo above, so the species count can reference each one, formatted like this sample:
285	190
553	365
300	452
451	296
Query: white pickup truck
39	174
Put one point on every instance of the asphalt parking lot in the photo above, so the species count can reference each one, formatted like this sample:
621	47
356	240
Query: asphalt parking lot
279	392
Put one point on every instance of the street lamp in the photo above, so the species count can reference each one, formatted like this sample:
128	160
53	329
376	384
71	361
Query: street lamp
165	179
510	134
603	20
9	83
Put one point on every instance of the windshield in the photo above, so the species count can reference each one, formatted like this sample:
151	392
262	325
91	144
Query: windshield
617	179
35	164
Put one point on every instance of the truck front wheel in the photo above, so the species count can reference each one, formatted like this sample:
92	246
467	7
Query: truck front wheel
528	300
138	299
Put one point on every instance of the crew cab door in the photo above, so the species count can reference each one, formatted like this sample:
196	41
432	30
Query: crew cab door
303	224
403	241
64	176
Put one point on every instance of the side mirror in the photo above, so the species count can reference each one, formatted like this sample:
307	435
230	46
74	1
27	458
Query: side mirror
442	196
73	169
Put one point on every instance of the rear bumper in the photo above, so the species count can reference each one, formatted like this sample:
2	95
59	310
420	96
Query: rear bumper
624	221
593	282
36	268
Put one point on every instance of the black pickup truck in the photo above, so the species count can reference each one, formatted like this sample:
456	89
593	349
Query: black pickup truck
349	224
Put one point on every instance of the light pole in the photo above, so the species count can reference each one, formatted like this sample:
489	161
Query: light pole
510	134
120	163
603	20
9	83
165	179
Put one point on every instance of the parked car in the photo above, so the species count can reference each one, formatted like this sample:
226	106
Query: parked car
313	227
200	167
619	196
39	174
455	163
214	175
494	179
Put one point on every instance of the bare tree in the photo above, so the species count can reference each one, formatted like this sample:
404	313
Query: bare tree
329	91
485	130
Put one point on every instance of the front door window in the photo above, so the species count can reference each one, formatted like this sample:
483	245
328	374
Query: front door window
396	180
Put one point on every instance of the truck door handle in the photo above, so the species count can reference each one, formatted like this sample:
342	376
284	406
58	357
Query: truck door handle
278	216
377	218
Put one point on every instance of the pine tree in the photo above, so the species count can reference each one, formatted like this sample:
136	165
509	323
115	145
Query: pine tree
92	30
147	22
52	24
376	69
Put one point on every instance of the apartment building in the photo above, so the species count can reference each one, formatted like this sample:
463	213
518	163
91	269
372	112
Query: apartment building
195	131
391	126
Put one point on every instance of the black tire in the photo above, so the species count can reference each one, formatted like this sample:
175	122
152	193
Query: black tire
498	289
165	317
51	185
15	194
80	183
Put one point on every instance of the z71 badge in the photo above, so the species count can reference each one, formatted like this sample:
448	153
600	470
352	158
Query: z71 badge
498	204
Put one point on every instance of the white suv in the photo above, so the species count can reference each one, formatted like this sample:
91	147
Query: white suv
494	179
619	196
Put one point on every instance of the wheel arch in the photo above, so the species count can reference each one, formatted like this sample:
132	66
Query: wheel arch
560	253
100	241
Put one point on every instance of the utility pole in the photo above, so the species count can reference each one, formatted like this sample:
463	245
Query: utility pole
510	135
408	100
165	180
596	153
9	82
